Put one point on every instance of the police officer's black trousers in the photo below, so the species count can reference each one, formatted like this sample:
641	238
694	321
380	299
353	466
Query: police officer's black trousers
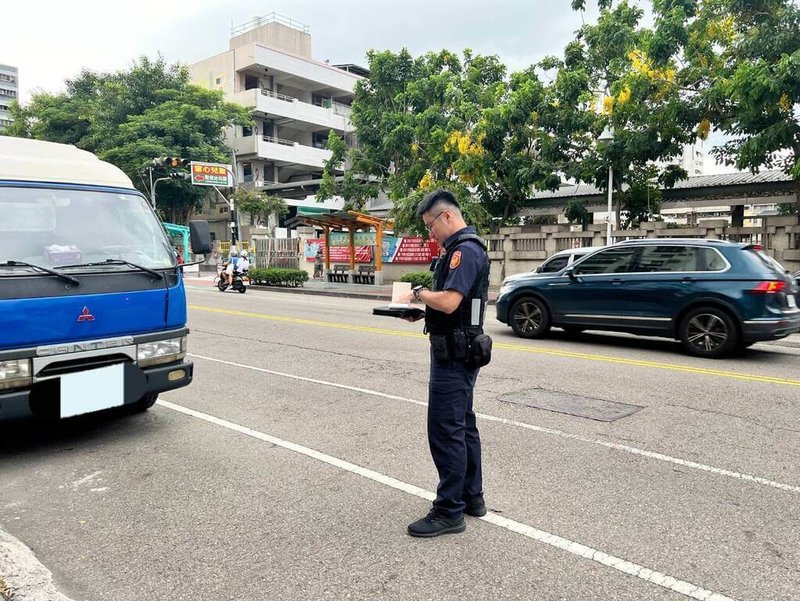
453	436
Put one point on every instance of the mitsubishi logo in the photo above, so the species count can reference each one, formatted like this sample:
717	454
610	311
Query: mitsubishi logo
85	315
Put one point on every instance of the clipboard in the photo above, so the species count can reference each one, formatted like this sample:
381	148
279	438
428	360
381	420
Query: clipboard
398	311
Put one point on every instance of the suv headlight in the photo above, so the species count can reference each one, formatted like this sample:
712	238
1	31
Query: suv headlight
15	373
161	351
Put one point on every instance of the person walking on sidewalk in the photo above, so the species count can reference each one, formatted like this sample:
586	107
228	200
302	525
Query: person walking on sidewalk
454	315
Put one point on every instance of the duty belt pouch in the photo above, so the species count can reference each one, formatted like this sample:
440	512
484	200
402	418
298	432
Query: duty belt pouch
480	351
441	353
459	340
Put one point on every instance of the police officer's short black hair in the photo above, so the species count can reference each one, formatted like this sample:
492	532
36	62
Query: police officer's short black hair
437	197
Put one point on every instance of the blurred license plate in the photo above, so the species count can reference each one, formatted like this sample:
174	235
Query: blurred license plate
92	390
792	301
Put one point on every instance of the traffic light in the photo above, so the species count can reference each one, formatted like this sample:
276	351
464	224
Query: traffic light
171	162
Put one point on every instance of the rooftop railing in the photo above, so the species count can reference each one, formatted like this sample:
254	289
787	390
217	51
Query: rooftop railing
270	18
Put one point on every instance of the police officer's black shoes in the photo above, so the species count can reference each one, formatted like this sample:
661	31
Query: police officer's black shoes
435	524
475	507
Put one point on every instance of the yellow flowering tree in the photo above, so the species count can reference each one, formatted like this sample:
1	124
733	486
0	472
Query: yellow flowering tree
613	75
742	62
444	120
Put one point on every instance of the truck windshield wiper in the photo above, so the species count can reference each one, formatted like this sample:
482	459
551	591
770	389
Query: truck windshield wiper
120	262
63	276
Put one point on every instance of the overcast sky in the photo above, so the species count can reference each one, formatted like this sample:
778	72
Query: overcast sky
52	40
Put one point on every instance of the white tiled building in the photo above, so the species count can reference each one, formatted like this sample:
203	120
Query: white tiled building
296	101
9	90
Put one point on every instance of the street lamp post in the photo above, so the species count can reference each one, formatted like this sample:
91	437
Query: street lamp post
153	189
607	137
234	215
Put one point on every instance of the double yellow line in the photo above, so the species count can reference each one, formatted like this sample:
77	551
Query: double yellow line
513	347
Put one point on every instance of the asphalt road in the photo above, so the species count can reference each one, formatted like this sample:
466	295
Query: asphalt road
291	466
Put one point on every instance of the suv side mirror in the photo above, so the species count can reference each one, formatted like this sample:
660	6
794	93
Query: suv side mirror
200	237
569	272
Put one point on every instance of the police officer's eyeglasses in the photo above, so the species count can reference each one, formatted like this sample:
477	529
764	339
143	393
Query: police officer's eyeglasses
429	226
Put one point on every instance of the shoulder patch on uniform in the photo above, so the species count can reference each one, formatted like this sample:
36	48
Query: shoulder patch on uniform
455	260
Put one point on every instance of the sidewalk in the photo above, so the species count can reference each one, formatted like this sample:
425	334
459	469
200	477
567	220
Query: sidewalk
321	287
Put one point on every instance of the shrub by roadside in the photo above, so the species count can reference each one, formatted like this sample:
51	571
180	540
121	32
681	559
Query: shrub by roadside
276	276
418	278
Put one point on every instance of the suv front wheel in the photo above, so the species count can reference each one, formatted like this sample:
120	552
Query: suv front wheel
708	332
529	318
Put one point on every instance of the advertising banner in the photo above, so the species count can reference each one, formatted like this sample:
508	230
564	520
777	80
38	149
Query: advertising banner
343	239
394	250
409	250
339	254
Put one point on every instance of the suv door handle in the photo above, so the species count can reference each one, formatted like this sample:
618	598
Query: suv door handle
616	282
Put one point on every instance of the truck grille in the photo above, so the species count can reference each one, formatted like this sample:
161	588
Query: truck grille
63	367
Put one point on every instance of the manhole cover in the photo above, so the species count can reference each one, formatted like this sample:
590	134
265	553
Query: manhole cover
571	404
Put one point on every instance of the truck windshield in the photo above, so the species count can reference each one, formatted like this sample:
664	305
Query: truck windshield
59	227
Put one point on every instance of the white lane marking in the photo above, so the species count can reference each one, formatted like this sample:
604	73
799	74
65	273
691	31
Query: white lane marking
575	548
508	422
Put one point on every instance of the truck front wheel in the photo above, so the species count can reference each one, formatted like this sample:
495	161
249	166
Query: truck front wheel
144	403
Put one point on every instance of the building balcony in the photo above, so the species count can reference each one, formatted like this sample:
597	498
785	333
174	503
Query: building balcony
334	116
281	151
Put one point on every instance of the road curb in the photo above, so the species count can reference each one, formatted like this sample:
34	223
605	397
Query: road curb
23	574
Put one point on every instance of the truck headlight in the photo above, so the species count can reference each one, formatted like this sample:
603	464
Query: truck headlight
161	351
15	373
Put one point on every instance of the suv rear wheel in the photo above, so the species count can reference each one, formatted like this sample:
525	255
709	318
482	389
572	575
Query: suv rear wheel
708	332
529	318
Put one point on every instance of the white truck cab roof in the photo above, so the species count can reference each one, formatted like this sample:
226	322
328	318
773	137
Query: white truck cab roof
22	159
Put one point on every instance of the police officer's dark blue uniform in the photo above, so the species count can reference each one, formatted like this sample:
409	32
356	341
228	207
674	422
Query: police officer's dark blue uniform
452	433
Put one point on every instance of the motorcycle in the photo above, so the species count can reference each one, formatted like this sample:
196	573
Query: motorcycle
238	283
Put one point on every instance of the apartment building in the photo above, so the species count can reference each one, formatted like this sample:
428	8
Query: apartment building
9	90
296	101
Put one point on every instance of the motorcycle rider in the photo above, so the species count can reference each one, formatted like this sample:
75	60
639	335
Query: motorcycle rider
230	266
243	264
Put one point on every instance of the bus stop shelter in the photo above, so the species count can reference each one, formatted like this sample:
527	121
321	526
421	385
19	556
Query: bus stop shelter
351	221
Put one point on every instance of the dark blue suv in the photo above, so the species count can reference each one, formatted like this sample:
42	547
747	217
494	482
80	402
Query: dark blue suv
713	296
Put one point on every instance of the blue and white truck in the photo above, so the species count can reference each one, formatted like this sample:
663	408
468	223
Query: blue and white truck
92	302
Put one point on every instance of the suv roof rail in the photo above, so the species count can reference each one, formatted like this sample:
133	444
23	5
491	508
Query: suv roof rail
668	240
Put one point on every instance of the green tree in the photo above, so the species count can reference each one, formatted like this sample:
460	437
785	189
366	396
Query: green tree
130	117
618	62
352	187
743	60
443	121
576	212
259	206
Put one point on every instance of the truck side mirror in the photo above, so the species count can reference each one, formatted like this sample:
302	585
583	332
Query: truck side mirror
200	237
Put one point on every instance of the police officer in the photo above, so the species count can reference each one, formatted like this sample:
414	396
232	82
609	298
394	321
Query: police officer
454	314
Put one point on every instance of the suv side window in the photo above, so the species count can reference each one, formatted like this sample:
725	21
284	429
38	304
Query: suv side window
557	264
667	258
612	260
709	259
